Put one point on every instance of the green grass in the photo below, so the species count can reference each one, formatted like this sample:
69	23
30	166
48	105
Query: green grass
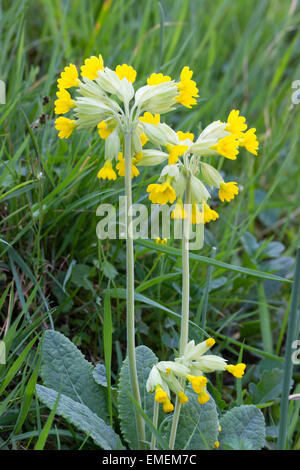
245	55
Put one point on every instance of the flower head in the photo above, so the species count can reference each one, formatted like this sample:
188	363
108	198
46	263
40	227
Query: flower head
91	67
69	77
161	193
157	78
187	88
65	127
64	102
227	191
126	71
107	172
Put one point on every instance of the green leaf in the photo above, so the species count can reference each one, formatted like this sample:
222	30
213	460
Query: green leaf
65	369
99	374
269	386
81	417
244	428
212	261
145	360
198	424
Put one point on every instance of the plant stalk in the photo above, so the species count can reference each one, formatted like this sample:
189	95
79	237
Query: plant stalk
184	328
155	422
130	291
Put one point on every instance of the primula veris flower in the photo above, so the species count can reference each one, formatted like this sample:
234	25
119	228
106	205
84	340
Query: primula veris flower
179	212
64	102
91	67
157	78
228	147
103	130
161	193
166	376
65	127
187	88
236	124
227	191
209	214
120	166
175	151
107	172
249	141
126	71
69	77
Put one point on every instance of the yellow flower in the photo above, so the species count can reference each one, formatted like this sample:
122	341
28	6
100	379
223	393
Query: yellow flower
68	78
162	242
91	67
185	135
182	398
237	370
209	214
161	193
236	124
120	166
175	151
198	382
203	398
196	216
107	172
157	78
103	130
179	212
227	191
160	395
187	88
228	147
65	127
168	407
126	71
149	118
144	139
216	444
249	140
64	102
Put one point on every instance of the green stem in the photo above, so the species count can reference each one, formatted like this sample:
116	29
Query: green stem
184	329
288	364
155	422
130	291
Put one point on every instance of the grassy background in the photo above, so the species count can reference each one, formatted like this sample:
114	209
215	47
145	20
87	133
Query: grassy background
245	55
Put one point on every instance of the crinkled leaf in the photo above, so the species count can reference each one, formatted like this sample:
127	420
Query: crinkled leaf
65	369
81	417
145	360
244	427
269	386
99	374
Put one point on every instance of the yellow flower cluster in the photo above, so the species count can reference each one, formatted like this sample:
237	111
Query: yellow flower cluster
166	376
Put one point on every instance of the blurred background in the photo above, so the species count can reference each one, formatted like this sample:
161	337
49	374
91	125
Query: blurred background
53	270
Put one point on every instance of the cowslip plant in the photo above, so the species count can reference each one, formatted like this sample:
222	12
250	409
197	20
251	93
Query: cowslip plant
129	121
186	176
106	100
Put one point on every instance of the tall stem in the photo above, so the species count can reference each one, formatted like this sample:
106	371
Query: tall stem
130	291
184	329
155	422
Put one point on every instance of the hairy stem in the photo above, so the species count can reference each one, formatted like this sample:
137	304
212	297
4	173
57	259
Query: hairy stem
130	291
155	422
184	329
